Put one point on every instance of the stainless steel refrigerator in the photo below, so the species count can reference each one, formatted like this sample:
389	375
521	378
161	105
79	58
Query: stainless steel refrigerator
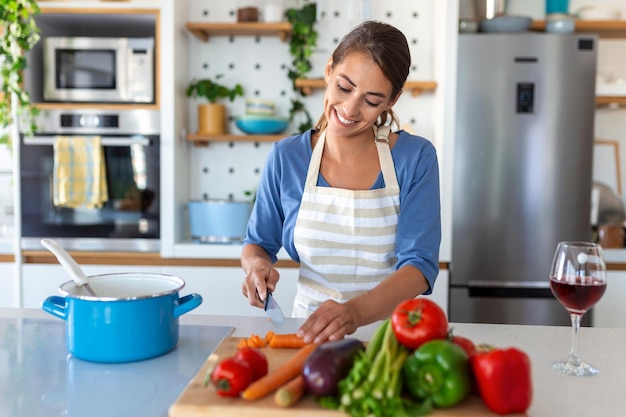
522	171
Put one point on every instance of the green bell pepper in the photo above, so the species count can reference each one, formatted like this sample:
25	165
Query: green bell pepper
438	372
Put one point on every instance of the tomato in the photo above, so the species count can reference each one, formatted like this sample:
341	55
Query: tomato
231	376
256	359
417	321
468	346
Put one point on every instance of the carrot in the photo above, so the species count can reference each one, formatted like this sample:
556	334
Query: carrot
257	341
254	341
287	340
242	343
290	393
290	369
268	336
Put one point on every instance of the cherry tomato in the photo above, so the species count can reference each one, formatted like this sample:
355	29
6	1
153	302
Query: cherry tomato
256	359
468	346
231	376
417	321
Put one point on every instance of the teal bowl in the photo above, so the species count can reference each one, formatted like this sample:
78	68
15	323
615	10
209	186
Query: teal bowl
261	125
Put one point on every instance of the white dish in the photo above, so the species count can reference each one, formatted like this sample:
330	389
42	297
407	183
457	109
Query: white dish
506	24
614	89
598	13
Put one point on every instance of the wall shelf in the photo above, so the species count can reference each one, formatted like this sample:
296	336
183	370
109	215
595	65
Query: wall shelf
416	87
199	139
604	28
203	30
611	101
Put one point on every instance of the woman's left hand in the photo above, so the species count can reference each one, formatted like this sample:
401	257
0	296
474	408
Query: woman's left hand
331	321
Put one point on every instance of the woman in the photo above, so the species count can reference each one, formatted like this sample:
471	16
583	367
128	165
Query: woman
356	205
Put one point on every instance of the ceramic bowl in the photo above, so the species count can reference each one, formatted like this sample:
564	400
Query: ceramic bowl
598	13
260	106
506	24
261	125
560	23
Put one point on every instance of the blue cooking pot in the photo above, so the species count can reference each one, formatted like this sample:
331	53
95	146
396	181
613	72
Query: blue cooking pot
134	316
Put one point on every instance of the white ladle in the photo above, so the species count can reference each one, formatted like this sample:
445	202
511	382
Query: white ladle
69	264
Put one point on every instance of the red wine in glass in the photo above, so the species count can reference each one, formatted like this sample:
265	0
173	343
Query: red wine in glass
578	294
578	281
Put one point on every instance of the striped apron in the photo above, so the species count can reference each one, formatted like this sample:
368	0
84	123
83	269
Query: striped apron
345	238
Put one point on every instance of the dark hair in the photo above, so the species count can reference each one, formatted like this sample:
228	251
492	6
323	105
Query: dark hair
388	48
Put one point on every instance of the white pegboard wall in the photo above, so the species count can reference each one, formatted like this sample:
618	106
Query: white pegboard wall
259	64
226	170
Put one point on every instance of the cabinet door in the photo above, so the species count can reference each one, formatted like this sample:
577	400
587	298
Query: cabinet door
7	285
220	288
611	310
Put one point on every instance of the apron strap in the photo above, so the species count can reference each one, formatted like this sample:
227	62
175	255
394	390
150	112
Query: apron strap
384	157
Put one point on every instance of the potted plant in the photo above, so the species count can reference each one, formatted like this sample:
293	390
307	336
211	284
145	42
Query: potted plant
212	115
19	33
301	47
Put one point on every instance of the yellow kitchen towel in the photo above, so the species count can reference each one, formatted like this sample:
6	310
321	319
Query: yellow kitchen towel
79	178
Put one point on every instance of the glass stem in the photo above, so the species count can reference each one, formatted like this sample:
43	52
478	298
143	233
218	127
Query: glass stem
573	354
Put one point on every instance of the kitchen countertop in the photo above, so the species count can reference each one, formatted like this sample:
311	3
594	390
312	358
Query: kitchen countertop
51	380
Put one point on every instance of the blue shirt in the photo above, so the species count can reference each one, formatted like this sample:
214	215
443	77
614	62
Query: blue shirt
280	189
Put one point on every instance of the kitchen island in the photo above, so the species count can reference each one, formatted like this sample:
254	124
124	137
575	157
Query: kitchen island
39	377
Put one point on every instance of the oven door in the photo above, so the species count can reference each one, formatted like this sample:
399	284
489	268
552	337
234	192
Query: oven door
133	184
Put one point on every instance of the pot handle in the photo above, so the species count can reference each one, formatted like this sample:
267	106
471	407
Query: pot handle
187	303
55	305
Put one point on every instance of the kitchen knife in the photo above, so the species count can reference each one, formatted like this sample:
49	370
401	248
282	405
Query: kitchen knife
273	311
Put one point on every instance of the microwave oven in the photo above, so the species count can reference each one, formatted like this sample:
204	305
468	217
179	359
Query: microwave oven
98	70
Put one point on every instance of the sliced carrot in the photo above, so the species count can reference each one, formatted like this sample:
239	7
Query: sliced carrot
286	340
257	341
268	336
290	393
243	343
290	369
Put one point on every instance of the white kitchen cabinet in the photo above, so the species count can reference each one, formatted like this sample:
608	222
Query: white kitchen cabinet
7	285
610	311
220	288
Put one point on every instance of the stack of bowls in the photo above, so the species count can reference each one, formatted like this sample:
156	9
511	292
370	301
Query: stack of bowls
260	118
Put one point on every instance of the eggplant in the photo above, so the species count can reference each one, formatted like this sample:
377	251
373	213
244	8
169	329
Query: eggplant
328	364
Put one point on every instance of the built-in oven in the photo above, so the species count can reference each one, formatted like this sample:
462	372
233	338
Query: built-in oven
129	218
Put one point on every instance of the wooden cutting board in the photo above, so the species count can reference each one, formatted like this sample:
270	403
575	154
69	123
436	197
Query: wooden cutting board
200	401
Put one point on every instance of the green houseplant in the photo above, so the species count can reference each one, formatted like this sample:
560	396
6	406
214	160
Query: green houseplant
212	115
18	34
301	46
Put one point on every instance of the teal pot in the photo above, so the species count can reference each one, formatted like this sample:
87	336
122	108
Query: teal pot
219	221
134	316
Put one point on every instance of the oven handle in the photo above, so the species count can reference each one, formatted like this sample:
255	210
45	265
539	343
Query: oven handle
104	140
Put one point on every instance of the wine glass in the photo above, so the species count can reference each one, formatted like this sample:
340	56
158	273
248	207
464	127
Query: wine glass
578	281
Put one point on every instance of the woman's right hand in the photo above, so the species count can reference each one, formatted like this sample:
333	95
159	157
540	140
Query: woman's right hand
261	277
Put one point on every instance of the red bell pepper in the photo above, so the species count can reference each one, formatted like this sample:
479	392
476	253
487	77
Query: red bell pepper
504	379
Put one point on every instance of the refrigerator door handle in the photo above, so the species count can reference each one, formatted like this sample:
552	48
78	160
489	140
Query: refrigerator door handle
509	284
510	289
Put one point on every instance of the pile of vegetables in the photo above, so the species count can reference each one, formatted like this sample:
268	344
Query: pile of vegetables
411	366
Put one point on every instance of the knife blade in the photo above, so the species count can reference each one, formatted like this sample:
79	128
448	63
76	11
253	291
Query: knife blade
273	311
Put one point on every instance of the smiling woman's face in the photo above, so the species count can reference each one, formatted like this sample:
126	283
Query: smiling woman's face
356	95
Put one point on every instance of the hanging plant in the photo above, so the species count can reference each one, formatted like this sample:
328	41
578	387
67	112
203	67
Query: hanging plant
301	46
19	33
